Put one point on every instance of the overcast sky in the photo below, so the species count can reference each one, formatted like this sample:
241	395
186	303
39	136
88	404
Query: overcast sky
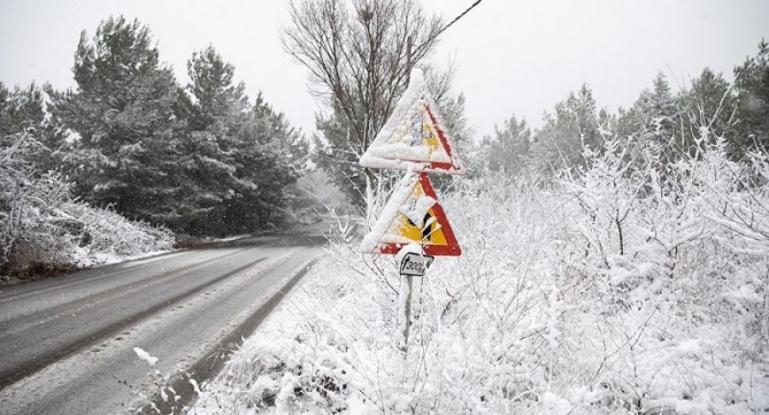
512	57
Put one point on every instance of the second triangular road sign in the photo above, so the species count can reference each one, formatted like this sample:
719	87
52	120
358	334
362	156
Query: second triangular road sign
412	216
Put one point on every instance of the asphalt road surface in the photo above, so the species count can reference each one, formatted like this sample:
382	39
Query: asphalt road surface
67	343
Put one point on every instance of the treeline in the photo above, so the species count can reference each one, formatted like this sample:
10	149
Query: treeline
200	158
675	123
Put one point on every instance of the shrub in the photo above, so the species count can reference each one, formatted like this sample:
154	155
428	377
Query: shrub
43	230
616	290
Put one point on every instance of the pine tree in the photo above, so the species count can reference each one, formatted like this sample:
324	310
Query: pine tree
707	105
23	110
574	124
124	110
752	84
238	160
217	97
207	149
20	109
508	150
653	120
271	155
656	110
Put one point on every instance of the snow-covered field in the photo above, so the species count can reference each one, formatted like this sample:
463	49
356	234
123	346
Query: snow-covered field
608	291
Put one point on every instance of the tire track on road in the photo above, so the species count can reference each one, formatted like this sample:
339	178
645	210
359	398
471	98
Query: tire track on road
15	372
214	360
178	335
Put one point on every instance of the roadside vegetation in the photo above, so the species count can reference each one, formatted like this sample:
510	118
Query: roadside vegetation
129	158
605	292
614	262
45	230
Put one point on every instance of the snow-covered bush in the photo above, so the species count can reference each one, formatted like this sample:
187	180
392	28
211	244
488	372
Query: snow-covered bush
108	237
43	229
615	290
25	199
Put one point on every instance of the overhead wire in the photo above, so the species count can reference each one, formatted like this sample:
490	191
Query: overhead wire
461	15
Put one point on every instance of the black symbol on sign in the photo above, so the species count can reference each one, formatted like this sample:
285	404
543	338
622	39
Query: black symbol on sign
427	228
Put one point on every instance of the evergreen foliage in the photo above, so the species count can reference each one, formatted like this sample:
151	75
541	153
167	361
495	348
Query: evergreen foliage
201	159
709	103
508	149
573	123
752	85
123	110
674	126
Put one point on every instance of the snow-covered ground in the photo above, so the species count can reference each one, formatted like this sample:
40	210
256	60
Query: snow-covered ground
45	229
609	291
104	238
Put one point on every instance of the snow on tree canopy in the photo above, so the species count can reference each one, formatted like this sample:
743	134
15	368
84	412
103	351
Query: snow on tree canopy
414	137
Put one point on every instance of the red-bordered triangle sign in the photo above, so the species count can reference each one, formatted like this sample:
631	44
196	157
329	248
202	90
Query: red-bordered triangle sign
413	215
414	137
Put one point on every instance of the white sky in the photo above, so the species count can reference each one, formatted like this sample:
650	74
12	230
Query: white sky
512	57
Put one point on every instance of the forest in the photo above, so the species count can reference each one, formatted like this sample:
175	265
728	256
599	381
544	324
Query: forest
129	143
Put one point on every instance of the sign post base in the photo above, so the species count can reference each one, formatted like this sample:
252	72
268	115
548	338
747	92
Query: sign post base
406	292
413	263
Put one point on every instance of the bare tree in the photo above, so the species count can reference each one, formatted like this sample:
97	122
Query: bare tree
359	55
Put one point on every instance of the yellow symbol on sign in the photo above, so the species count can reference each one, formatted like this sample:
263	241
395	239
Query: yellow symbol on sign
416	226
412	215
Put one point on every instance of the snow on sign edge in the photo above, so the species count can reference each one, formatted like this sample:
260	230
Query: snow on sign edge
384	155
389	213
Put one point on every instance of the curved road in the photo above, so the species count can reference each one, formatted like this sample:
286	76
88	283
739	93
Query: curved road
67	344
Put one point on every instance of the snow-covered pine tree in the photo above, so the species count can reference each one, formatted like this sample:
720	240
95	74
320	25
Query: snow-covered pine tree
508	150
752	85
209	167
651	124
24	110
708	103
654	113
125	111
20	109
270	155
574	123
238	160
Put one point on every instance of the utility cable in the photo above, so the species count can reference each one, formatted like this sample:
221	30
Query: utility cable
461	15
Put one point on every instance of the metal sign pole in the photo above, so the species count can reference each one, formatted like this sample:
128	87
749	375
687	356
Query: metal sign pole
412	264
407	286
407	281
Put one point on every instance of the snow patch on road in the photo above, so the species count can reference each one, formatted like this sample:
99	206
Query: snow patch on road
143	355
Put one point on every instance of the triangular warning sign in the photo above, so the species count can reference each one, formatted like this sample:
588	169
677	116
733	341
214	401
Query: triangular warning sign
412	215
414	137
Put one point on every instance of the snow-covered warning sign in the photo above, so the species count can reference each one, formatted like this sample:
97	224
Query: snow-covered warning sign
414	137
412	224
412	216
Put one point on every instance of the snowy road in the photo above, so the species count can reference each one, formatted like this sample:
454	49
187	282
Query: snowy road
67	344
